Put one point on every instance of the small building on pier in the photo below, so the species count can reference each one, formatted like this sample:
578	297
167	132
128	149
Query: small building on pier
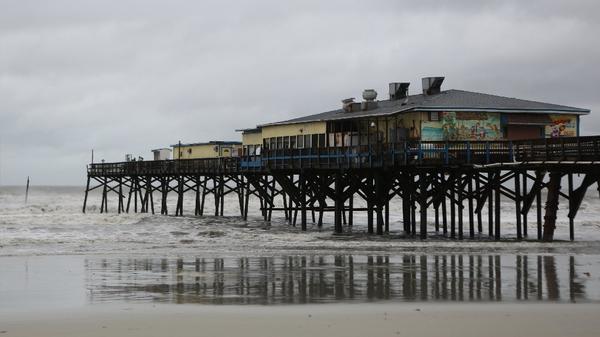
212	149
161	154
251	141
433	115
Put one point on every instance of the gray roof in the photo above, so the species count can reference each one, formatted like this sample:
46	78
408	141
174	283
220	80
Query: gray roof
249	130
212	142
448	100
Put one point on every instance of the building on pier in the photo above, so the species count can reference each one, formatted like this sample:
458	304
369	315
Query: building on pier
251	141
446	152
433	115
212	149
161	154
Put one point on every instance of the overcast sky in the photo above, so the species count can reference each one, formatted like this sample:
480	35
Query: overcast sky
129	76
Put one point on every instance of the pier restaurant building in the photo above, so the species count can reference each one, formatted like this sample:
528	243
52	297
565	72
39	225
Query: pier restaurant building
433	115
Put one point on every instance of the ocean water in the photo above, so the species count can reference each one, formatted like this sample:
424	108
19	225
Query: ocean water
52	223
53	255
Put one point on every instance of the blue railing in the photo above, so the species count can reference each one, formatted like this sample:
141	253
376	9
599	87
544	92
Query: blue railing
371	156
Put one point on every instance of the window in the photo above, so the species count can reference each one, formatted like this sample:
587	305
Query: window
315	140
292	142
273	145
307	141
286	142
279	142
434	116
322	140
300	142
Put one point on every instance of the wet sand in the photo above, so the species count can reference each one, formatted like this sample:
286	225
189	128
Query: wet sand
401	319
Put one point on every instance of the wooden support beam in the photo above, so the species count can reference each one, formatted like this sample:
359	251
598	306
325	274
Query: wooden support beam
571	218
87	189
497	204
460	194
303	188
551	206
423	203
406	195
453	206
470	197
517	180
490	198
351	211
538	206
576	195
444	213
524	192
338	202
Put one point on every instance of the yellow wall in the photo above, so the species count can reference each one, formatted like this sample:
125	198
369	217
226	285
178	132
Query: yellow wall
293	129
205	151
252	138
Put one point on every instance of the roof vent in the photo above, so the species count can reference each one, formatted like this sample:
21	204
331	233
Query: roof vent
347	104
369	103
398	90
369	95
432	85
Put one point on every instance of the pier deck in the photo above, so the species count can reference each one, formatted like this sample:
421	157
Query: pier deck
449	178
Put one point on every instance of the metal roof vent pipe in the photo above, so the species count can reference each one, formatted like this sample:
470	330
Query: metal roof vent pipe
369	96
398	90
432	85
347	104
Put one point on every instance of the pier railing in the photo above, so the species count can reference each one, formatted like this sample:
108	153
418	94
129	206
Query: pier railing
166	167
408	153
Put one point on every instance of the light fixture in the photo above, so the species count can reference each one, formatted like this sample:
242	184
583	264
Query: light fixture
372	124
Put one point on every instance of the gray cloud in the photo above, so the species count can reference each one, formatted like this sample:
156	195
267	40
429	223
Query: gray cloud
125	77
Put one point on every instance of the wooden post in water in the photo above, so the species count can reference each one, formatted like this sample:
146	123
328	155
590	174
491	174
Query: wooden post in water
370	205
444	211
479	216
551	206
406	205
423	204
517	176
453	206
338	202
571	219
497	187
525	214
538	207
460	196
490	198
27	190
470	200
302	182
87	189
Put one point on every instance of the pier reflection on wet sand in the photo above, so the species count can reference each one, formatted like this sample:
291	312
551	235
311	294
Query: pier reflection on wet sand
342	278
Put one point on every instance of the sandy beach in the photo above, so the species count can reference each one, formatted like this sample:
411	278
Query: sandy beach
405	319
68	274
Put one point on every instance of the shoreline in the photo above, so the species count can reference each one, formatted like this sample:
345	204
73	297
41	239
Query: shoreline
365	319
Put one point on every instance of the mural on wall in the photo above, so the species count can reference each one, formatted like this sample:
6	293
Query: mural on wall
562	126
463	126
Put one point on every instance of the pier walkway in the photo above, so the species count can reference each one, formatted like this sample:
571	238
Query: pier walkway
448	178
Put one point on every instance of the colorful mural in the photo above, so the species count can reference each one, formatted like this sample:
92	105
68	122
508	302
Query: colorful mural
463	126
562	126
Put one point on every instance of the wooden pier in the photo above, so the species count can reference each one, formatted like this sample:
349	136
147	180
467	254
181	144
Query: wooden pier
446	178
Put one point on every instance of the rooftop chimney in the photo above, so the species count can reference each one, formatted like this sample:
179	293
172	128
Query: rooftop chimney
398	90
432	85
